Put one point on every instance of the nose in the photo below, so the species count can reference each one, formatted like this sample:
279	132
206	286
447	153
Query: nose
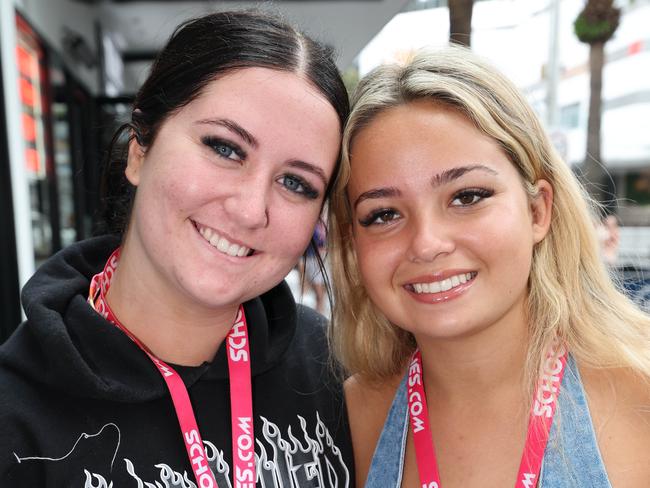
249	204
430	239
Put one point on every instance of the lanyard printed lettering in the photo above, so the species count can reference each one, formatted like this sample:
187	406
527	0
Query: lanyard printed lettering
241	399
539	423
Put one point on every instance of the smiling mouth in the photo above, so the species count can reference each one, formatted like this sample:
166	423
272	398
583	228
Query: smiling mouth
442	285
222	244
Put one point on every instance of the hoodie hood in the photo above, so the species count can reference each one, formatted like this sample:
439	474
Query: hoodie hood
65	345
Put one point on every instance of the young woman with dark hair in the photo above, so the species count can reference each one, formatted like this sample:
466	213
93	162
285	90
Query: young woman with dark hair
169	352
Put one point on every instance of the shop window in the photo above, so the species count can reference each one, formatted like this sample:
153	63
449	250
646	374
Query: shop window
54	138
30	57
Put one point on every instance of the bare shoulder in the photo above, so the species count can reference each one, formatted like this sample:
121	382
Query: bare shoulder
368	404
619	402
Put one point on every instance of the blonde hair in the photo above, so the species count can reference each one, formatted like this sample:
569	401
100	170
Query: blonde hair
570	293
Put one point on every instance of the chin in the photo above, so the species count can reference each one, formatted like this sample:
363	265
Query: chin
441	328
213	297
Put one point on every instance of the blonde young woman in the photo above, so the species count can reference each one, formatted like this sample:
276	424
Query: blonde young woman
486	343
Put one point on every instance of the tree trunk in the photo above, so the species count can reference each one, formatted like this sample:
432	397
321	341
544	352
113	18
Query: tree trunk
460	21
592	170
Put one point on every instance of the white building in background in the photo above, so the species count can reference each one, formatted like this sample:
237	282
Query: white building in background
515	35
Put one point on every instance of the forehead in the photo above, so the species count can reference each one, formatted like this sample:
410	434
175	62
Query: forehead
421	139
262	90
285	113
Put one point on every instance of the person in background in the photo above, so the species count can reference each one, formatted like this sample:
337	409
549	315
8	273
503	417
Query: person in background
171	353
487	344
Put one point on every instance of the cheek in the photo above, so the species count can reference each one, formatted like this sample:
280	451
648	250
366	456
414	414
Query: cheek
164	184
377	261
177	195
294	230
504	244
507	229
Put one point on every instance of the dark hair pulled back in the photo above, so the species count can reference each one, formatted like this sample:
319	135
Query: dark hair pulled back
198	52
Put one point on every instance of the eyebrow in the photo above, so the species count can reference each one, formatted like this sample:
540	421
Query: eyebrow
454	173
377	193
437	180
311	168
250	139
233	127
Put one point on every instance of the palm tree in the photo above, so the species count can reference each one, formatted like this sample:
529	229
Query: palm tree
595	25
460	21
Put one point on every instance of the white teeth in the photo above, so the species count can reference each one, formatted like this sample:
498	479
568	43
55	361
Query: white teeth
223	244
205	232
233	249
444	285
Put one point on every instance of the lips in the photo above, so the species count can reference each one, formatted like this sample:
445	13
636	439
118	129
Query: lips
442	285
222	243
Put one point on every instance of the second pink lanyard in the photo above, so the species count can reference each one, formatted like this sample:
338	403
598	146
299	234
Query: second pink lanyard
241	399
539	423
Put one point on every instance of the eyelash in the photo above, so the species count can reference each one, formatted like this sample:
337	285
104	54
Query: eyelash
481	193
308	191
374	217
215	144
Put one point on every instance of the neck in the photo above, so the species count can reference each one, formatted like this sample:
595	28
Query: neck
171	326
486	365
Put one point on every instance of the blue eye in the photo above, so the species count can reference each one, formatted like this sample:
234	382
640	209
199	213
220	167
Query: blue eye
292	184
380	217
224	149
299	186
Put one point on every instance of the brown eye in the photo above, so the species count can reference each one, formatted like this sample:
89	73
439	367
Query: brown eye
467	198
380	217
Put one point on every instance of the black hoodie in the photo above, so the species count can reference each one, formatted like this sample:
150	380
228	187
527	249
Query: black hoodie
82	406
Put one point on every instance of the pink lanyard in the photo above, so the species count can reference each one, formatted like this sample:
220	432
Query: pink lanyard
241	400
539	423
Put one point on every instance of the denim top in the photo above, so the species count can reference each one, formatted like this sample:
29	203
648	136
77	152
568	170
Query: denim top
571	459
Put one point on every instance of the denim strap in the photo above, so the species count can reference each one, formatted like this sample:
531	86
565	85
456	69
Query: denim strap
388	460
571	459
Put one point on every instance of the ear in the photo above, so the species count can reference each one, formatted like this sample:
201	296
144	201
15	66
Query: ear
134	162
541	207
